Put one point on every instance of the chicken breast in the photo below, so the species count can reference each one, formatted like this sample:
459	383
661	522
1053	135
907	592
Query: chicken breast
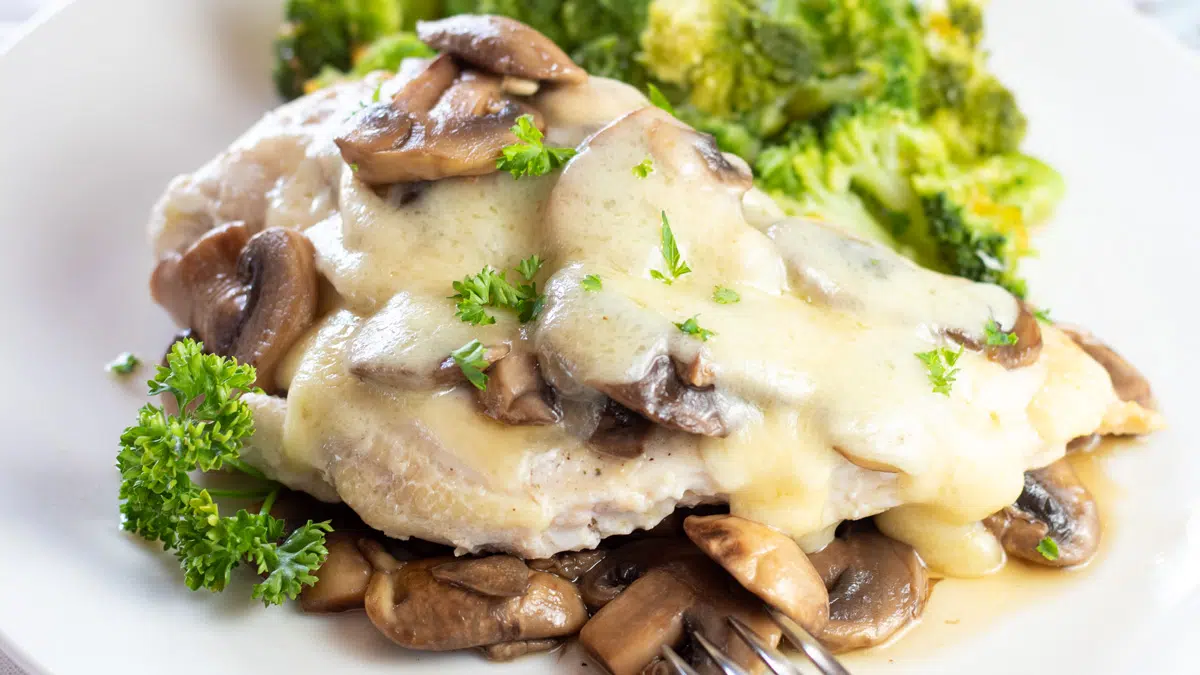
802	404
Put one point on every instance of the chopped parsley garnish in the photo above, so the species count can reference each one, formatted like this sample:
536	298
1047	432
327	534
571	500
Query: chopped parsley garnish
490	288
725	296
591	283
676	266
995	337
160	502
658	99
644	168
691	327
124	364
1048	548
470	359
1043	315
531	157
353	167
940	364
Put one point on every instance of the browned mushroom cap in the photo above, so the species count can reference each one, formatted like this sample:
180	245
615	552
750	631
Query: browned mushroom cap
341	581
628	633
1024	352
876	586
416	610
663	397
442	123
1053	504
507	651
499	576
1129	384
620	432
767	563
516	392
501	45
245	297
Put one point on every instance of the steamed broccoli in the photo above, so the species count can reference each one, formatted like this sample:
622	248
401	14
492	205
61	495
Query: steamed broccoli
320	33
806	181
386	53
976	114
978	219
731	59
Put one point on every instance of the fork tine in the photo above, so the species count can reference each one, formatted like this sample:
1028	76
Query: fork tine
777	662
725	663
820	657
677	662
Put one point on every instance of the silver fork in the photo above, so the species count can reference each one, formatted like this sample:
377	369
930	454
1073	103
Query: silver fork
779	664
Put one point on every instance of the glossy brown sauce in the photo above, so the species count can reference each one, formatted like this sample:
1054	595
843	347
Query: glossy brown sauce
961	608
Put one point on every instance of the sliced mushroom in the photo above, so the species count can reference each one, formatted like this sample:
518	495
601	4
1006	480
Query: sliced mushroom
570	565
416	610
1129	384
245	297
342	580
621	567
876	585
1053	504
1023	352
620	432
442	123
507	651
690	592
663	397
767	563
498	576
501	45
516	392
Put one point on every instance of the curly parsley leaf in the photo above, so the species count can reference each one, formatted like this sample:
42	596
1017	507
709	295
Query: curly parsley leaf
691	327
1043	315
591	283
941	366
160	502
995	337
676	265
470	359
1048	548
490	288
531	157
725	296
124	364
644	168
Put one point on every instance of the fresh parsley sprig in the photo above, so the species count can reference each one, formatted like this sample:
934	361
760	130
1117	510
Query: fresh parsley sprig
643	168
941	366
1048	548
1043	315
693	328
124	364
592	283
995	337
531	157
160	502
676	265
490	288
470	359
725	296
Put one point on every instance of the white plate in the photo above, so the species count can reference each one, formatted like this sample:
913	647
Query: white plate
106	100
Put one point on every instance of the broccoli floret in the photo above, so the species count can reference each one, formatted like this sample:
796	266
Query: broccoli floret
978	219
804	182
320	33
880	147
872	49
386	53
973	111
732	60
611	56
